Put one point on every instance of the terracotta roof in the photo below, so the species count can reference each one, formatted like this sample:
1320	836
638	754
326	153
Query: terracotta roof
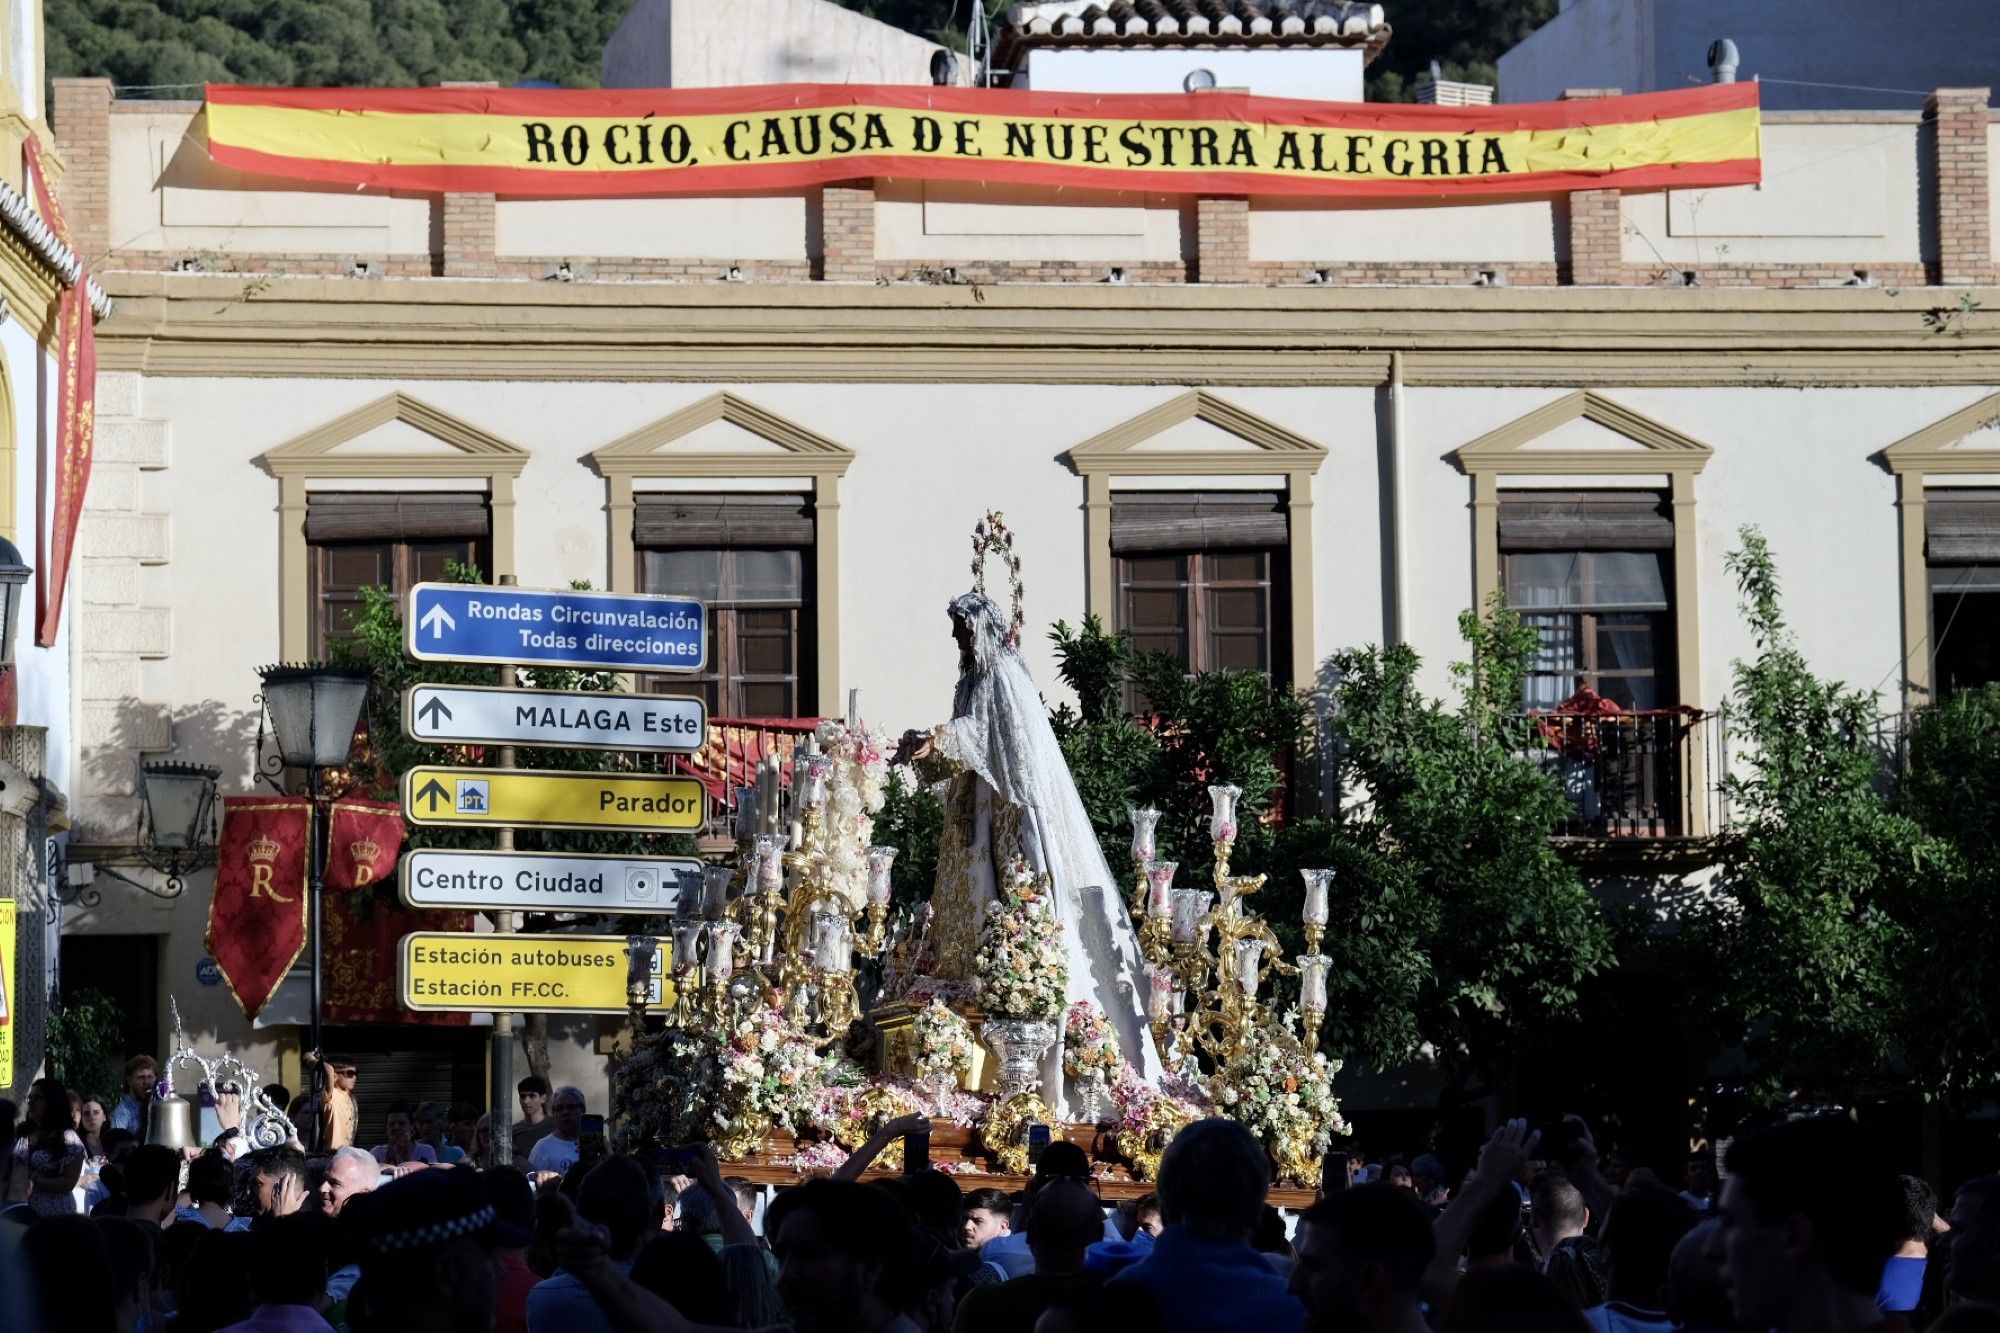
1196	23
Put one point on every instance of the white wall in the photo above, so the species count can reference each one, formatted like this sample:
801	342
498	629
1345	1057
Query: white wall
1885	56
44	675
1323	75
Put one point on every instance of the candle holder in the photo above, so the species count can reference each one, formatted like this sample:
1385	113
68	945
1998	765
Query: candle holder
1145	823
1222	801
715	882
881	887
640	953
722	937
1312	996
769	887
1319	884
1160	993
1249	957
686	935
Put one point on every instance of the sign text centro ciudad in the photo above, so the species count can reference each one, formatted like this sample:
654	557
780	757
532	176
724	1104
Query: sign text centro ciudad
560	719
597	631
548	881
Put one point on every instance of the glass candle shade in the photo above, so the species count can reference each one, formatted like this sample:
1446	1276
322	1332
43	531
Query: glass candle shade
833	942
818	772
880	886
1145	819
1160	887
687	946
1249	955
1318	883
1159	994
715	882
1222	814
1312	981
744	824
722	938
770	863
1190	905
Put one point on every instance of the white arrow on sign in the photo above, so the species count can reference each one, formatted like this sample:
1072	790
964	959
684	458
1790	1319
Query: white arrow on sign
559	719
437	620
547	882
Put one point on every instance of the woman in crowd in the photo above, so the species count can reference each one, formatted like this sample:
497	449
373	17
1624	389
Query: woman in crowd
49	1155
92	1118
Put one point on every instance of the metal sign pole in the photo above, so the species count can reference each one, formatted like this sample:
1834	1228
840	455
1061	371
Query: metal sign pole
500	1115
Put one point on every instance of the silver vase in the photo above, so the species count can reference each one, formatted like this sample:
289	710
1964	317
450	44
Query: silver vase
1018	1045
1091	1094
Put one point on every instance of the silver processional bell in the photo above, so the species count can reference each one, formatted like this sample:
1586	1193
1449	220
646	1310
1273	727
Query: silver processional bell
171	1124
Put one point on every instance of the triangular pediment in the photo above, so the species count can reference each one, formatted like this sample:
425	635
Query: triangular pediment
1582	433
396	435
1966	441
1197	433
722	435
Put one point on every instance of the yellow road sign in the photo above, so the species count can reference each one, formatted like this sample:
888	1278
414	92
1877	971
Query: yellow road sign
516	798
541	974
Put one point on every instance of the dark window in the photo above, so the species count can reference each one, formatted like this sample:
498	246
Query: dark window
366	539
749	557
125	969
1962	549
1199	576
1590	572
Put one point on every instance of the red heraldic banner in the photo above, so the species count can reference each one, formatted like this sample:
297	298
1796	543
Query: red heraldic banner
76	414
363	931
362	840
257	919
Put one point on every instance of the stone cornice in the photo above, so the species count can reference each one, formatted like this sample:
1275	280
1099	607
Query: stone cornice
427	328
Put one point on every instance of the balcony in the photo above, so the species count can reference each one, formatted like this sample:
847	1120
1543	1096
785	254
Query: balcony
1641	783
729	760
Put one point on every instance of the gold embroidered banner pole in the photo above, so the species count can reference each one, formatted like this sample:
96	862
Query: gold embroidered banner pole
606	142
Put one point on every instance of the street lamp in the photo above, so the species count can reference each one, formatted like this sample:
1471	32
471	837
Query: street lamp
14	574
314	708
176	833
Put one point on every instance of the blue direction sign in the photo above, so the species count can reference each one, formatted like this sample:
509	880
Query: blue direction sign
600	631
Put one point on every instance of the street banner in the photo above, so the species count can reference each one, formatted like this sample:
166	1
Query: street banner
533	974
548	881
596	143
596	631
8	937
362	839
517	798
257	919
554	719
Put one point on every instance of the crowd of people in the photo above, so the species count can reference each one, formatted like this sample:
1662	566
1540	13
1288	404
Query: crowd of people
1804	1227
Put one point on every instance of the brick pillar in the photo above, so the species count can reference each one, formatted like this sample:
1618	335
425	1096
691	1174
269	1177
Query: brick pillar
1221	239
847	231
83	136
1959	121
1596	225
465	248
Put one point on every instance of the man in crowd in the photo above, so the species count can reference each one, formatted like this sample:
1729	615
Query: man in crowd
152	1183
142	1072
428	1266
1062	1224
402	1149
1559	1222
534	1124
1362	1254
845	1258
211	1190
1903	1276
288	1276
619	1195
513	1200
277	1185
1809	1216
1700	1189
1974	1252
1646	1223
350	1172
988	1213
558	1150
1203	1272
1697	1296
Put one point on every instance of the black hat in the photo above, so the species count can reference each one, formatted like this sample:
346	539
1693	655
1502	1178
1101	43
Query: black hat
431	1207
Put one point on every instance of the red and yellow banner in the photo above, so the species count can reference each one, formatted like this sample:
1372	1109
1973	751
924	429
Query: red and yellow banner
362	840
257	919
558	143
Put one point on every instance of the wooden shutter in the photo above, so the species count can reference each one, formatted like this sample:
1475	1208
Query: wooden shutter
370	516
722	520
1585	521
1962	525
1143	521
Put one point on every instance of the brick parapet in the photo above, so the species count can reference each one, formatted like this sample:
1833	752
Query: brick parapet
1960	125
82	115
1222	239
847	232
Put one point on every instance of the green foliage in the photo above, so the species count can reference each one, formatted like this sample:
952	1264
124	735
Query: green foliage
86	1042
332	43
1951	1029
1807	959
912	821
1466	37
1484	934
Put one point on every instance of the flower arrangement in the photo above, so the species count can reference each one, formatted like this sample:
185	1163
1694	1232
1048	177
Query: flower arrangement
1020	966
945	1048
1090	1045
856	786
667	1091
1148	1117
769	1071
1283	1095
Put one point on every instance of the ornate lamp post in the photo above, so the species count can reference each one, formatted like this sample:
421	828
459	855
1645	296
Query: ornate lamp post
176	833
313	709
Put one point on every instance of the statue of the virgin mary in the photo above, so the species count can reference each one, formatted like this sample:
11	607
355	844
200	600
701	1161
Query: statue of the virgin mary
1010	794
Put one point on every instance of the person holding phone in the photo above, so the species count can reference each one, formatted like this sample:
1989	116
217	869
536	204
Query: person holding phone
560	1150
